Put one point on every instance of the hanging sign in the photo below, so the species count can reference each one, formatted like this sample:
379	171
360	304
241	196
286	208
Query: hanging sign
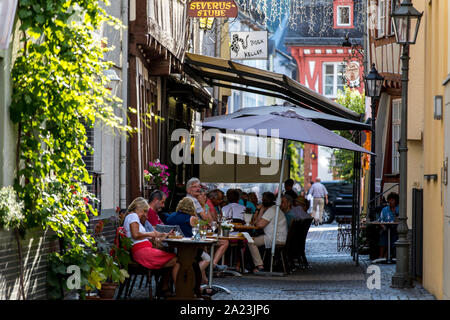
352	73
249	45
212	9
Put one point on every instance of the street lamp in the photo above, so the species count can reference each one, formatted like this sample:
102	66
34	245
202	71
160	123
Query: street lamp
373	84
406	22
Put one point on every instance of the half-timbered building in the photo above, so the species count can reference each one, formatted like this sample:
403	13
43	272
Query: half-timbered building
163	97
315	39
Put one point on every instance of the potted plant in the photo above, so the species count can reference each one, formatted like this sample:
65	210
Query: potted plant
109	265
203	228
226	227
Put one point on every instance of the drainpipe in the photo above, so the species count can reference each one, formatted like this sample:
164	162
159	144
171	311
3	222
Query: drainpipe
123	137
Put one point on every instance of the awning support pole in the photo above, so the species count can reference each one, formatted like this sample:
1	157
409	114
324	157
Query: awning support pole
278	203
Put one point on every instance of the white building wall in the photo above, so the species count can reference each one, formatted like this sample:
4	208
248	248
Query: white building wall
8	132
323	170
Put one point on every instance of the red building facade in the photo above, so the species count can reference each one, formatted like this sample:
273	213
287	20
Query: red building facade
324	64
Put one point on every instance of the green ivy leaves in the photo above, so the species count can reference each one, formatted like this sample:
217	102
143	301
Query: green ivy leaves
59	90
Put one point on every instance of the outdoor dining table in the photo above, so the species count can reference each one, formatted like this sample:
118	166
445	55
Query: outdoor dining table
388	260
240	239
187	248
243	227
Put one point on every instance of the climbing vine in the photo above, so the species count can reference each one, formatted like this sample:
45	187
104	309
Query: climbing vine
59	90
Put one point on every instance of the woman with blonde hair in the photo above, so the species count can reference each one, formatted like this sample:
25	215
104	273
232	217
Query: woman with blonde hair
142	249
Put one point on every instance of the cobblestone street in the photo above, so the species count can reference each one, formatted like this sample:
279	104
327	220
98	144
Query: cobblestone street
334	276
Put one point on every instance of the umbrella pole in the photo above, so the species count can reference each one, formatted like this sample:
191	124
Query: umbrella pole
278	203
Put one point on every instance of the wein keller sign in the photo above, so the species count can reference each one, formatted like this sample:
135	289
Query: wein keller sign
212	9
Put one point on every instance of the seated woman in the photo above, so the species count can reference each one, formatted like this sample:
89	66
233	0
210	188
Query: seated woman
253	199
266	222
142	250
186	218
388	214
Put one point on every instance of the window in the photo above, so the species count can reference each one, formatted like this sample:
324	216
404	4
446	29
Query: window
343	16
396	122
394	4
333	78
381	18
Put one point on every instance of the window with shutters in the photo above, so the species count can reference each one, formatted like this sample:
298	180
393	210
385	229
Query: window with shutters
381	18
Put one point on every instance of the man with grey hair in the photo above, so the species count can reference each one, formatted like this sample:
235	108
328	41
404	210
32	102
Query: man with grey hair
320	198
194	189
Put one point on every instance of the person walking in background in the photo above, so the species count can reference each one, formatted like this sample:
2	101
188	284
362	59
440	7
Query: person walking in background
320	199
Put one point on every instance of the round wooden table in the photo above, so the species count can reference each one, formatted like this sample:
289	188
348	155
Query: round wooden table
186	287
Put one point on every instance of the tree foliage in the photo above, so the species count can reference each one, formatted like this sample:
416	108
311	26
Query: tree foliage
342	160
59	90
296	167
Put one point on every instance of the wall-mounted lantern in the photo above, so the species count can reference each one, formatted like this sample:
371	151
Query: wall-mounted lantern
438	106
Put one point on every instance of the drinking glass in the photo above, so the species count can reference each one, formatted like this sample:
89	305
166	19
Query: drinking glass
203	232
213	226
194	232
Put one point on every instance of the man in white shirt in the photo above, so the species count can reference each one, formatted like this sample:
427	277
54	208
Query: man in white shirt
233	210
320	198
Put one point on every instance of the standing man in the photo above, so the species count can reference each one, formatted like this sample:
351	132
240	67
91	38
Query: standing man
320	198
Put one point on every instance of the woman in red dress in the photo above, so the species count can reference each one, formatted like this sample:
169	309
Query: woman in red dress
142	250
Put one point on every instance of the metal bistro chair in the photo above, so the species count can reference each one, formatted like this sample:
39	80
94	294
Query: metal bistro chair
344	235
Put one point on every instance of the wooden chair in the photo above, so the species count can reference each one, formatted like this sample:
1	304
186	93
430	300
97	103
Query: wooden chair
280	256
292	243
296	242
303	228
